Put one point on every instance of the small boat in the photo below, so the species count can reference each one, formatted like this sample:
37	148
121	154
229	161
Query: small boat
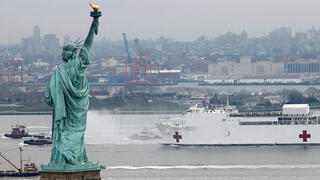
38	140
28	170
18	132
144	135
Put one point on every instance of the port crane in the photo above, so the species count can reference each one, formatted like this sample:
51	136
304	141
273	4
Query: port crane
138	70
11	71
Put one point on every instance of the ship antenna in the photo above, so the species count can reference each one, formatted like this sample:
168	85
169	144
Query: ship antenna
227	100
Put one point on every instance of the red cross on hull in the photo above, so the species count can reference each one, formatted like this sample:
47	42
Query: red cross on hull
177	136
305	136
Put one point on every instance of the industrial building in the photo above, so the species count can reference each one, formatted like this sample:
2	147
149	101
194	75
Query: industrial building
245	67
312	66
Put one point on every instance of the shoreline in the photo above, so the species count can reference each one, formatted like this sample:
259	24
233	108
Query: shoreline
25	113
111	112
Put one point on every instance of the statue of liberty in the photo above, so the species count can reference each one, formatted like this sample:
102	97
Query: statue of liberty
67	92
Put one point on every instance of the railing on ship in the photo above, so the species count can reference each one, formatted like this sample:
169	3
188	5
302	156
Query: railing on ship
280	119
298	120
257	114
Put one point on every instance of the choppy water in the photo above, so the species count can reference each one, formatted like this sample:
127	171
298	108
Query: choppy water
109	142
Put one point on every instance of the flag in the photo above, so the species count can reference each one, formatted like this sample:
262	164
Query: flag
206	103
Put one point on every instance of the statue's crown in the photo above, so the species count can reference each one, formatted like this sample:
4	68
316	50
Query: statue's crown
70	47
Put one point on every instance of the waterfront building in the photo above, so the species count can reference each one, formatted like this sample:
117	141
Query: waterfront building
245	67
221	69
302	67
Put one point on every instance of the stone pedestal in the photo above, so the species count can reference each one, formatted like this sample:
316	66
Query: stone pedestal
78	175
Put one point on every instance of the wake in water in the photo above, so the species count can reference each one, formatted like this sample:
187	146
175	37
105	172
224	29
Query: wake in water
2	135
38	127
294	166
22	144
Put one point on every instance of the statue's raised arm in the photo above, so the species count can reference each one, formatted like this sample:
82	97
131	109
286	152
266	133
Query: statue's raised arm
94	26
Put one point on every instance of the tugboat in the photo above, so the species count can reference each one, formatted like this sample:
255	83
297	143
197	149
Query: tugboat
18	132
28	170
38	140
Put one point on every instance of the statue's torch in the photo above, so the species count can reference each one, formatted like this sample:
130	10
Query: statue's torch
95	13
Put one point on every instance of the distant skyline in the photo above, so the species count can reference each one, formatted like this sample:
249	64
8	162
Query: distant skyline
178	19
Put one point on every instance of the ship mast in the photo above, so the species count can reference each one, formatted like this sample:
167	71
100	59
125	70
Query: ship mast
20	158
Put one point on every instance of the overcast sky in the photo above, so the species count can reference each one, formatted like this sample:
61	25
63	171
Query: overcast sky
179	19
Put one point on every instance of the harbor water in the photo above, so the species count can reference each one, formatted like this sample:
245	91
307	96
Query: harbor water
117	141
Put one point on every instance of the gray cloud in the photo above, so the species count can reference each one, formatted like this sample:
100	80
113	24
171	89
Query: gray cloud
180	19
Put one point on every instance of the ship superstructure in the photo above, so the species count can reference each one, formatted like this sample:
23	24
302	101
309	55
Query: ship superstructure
294	125
18	132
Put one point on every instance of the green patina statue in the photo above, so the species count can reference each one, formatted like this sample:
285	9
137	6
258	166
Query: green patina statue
67	92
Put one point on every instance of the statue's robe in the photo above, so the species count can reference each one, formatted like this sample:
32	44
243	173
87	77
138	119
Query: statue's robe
67	92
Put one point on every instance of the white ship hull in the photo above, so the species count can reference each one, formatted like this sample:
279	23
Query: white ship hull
219	129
